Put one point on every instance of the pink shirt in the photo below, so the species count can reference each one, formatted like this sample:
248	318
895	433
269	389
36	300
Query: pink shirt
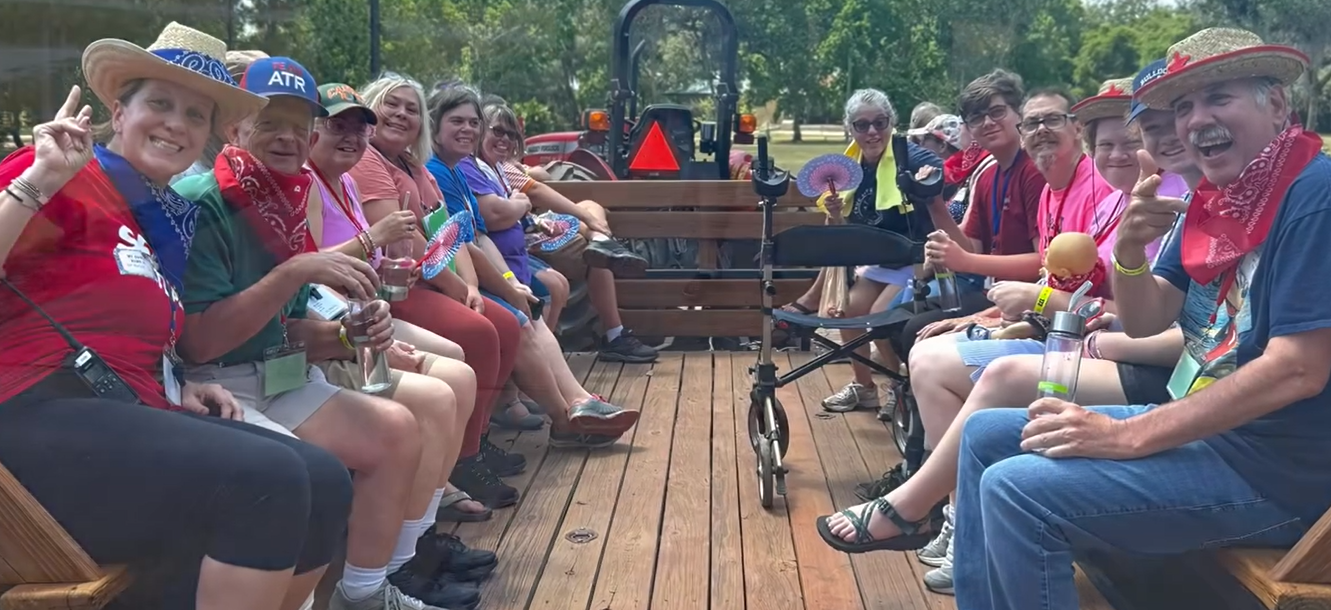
1107	213
338	228
1073	207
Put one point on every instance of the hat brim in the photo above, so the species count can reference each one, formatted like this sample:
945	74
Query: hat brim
336	109
110	63
1284	64
1102	107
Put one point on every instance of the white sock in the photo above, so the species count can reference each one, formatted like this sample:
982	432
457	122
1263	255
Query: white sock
432	510
600	237
360	583
406	543
612	334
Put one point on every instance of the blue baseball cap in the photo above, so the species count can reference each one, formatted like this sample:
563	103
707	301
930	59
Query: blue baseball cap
282	76
1148	74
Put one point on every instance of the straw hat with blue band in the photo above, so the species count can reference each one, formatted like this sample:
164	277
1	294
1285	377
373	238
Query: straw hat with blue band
1216	55
1111	101
1155	70
180	55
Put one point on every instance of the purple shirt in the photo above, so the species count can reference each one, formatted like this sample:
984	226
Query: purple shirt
510	241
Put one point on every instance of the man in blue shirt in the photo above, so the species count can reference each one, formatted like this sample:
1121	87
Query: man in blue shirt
1238	456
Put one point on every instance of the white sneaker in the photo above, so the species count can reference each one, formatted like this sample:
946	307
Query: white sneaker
853	396
388	597
934	554
939	580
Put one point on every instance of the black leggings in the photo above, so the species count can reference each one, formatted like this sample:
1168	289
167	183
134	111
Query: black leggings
136	485
904	340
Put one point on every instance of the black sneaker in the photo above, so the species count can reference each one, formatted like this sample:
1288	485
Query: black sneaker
474	477
446	556
436	592
568	439
500	462
890	480
610	254
627	348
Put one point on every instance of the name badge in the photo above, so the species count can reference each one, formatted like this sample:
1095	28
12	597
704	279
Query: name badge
132	261
170	382
284	369
327	303
1185	372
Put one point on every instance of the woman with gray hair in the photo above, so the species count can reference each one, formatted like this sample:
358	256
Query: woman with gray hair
882	201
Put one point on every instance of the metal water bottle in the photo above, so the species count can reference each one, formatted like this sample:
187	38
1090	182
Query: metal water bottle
948	297
1062	356
373	365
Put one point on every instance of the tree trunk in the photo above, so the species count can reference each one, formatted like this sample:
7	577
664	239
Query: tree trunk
795	135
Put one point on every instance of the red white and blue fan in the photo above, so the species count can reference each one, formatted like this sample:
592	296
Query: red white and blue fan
450	237
559	230
830	173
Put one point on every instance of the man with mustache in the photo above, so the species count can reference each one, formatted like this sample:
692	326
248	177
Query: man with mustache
1236	459
247	290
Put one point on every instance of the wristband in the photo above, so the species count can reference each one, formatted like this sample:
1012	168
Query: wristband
1092	346
1042	300
1146	266
342	334
508	275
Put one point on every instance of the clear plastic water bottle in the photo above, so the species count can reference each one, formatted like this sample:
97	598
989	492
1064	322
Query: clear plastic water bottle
948	297
395	270
373	365
1062	356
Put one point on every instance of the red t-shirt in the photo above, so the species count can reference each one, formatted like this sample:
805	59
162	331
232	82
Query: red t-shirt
1018	226
82	259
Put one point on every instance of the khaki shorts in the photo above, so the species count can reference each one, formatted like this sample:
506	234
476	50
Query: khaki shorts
346	374
281	413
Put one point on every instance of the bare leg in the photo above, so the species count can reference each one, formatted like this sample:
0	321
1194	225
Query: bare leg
885	352
379	439
435	407
601	290
462	380
228	587
814	294
558	286
426	341
569	386
1006	382
302	587
941	382
862	296
534	377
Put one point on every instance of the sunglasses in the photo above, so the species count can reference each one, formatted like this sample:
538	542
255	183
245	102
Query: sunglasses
500	132
879	124
344	127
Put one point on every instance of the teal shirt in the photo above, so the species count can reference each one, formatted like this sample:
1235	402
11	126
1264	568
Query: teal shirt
226	258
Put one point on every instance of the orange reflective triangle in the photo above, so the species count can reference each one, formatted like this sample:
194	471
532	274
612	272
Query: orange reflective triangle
655	154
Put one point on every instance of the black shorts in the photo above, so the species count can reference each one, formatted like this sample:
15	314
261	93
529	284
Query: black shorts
1144	384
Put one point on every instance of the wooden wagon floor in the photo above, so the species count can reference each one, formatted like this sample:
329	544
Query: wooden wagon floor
669	518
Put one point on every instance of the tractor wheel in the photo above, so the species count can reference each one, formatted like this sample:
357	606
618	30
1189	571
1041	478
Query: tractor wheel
577	325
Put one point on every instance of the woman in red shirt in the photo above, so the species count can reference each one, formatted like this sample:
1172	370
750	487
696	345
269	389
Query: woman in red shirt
92	237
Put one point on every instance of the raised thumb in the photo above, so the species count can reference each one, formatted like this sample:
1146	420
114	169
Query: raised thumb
1148	166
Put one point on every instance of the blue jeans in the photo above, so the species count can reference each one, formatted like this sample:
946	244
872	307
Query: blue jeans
966	284
1020	516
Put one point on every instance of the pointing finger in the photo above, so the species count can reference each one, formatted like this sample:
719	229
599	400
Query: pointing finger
71	102
1146	189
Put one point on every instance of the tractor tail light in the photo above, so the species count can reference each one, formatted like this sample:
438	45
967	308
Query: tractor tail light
747	123
596	120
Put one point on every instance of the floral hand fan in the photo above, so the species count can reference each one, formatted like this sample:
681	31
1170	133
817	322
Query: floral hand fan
830	173
445	243
559	230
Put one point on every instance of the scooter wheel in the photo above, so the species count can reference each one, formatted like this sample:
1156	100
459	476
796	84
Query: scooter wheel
901	420
766	474
758	424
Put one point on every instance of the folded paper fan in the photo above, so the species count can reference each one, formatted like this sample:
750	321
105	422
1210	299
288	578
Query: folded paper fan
559	230
830	172
445	243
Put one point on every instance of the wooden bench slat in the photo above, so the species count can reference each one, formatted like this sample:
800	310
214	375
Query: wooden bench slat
693	323
36	548
672	193
704	225
1310	560
647	294
1089	597
93	595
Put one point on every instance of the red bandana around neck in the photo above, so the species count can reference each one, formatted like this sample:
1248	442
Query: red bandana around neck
1225	224
273	204
960	166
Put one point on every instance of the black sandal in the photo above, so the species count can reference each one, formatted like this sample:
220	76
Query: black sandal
911	538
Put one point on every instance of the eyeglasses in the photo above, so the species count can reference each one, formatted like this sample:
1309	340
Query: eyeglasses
338	126
879	124
1053	122
994	113
500	132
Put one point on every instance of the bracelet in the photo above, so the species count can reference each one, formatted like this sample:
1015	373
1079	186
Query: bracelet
342	335
31	190
1042	300
1146	266
1092	346
508	275
23	200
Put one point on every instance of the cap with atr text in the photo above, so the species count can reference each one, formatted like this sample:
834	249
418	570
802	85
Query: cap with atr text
282	76
338	98
1148	74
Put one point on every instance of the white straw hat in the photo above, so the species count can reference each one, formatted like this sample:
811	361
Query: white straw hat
180	55
1112	100
1216	55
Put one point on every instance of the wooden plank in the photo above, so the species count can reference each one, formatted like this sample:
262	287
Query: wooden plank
93	595
887	580
727	539
693	322
1310	560
625	577
654	294
37	549
705	225
825	573
1089	597
683	560
671	193
570	570
771	574
1253	569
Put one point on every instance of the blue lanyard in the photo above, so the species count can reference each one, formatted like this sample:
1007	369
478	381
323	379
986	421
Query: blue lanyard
999	202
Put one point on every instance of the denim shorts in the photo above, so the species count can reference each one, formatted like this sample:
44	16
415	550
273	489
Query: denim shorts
537	288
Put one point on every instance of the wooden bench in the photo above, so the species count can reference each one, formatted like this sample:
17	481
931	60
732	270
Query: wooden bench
693	304
41	567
